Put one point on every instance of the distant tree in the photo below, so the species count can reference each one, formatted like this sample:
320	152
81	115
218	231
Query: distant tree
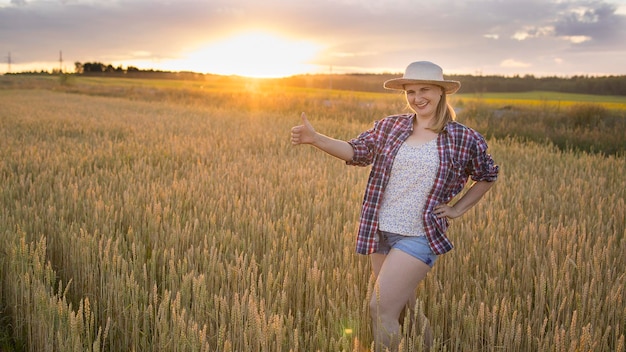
95	67
78	68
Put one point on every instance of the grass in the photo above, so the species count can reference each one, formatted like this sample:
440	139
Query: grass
6	339
587	127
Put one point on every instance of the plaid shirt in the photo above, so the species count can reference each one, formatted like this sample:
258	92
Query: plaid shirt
462	153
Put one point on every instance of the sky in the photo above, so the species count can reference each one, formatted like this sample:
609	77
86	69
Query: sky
274	38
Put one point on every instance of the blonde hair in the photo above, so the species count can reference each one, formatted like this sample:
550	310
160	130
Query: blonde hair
444	114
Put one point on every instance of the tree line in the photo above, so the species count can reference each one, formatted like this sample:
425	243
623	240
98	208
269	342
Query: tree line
582	84
98	67
108	70
599	85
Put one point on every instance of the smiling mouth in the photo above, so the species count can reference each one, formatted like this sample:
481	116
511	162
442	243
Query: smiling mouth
421	105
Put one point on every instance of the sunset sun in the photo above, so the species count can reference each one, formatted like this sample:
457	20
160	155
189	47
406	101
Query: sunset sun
255	54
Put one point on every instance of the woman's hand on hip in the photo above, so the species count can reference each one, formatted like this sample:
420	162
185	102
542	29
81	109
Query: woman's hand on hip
446	211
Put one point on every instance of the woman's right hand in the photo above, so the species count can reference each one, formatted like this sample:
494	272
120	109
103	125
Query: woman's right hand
303	134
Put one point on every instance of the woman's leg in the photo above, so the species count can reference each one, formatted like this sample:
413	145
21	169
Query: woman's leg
377	263
398	277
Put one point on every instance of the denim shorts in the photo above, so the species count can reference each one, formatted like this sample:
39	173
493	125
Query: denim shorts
415	246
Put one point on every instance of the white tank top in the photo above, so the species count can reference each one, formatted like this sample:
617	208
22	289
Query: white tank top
412	177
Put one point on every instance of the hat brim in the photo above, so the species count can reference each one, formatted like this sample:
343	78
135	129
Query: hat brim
450	87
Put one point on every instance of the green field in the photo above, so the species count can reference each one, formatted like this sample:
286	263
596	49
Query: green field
546	98
172	216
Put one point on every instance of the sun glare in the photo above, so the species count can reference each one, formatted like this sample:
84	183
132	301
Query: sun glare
255	54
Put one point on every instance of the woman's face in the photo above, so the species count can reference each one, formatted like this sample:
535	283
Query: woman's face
423	98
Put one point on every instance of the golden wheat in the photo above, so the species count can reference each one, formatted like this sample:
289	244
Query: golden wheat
193	226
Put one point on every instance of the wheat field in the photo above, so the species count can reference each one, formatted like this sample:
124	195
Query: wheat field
193	225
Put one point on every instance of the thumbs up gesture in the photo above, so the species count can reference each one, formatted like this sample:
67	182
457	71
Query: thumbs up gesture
306	134
303	134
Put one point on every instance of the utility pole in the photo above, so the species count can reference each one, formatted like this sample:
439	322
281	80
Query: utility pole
60	62
9	61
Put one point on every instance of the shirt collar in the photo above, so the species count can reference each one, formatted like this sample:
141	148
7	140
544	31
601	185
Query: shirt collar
413	116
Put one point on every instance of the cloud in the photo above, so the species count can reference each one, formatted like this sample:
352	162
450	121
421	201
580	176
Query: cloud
533	32
594	22
577	39
511	63
362	35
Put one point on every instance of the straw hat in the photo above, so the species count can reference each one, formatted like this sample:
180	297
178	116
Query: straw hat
423	72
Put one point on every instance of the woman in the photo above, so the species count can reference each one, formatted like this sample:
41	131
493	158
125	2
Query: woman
420	162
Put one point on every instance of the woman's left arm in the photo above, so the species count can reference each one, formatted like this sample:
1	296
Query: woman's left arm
484	173
466	202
